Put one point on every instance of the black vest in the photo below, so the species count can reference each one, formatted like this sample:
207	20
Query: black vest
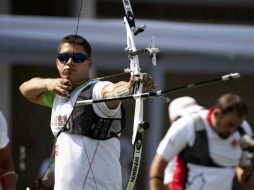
84	121
199	152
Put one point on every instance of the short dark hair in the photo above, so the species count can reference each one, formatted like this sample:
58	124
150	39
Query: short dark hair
231	103
76	40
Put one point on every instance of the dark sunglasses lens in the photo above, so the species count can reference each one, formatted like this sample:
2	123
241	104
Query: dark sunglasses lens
64	57
79	57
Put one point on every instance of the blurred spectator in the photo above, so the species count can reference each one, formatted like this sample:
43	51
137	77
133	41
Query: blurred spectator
178	108
8	176
207	148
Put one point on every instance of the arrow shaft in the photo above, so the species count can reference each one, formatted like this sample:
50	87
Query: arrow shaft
160	92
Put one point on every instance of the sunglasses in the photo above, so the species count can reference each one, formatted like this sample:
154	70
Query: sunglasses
76	57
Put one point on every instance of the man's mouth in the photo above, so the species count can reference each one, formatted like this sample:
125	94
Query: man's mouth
68	71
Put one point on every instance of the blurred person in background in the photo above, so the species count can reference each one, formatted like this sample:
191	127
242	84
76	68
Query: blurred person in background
207	147
8	176
178	108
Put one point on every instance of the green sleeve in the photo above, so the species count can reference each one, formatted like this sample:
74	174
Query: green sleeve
48	98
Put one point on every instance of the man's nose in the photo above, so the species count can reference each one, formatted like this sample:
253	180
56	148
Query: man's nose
69	61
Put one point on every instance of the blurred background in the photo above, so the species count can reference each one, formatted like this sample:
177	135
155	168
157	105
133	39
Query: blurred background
200	39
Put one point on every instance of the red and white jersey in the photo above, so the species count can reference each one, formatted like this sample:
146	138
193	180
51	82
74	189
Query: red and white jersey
225	152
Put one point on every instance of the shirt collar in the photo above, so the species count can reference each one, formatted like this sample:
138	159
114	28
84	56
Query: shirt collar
209	117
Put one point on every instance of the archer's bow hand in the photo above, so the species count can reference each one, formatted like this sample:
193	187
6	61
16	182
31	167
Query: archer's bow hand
147	81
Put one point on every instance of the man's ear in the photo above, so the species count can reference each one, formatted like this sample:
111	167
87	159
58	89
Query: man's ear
90	63
57	63
216	113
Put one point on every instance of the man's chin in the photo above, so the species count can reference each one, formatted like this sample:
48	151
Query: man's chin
75	83
224	135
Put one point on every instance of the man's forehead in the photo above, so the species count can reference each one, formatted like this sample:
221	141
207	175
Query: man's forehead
74	47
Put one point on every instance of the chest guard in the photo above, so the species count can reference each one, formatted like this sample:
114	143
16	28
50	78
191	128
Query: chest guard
199	153
84	121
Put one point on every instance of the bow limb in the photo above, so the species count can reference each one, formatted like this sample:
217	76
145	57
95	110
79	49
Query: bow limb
135	71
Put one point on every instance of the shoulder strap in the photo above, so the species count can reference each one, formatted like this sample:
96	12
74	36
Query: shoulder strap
199	153
241	131
198	122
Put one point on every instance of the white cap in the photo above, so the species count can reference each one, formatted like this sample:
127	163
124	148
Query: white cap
182	106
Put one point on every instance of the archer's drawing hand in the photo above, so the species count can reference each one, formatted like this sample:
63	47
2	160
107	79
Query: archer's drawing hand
59	86
35	87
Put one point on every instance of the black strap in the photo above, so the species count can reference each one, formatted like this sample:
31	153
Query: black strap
241	131
199	153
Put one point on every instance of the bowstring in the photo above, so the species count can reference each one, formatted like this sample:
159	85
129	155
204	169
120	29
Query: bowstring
93	156
90	163
80	9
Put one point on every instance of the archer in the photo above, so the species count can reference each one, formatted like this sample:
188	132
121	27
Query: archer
87	136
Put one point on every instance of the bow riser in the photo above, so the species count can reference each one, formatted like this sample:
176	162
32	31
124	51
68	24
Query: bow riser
131	47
